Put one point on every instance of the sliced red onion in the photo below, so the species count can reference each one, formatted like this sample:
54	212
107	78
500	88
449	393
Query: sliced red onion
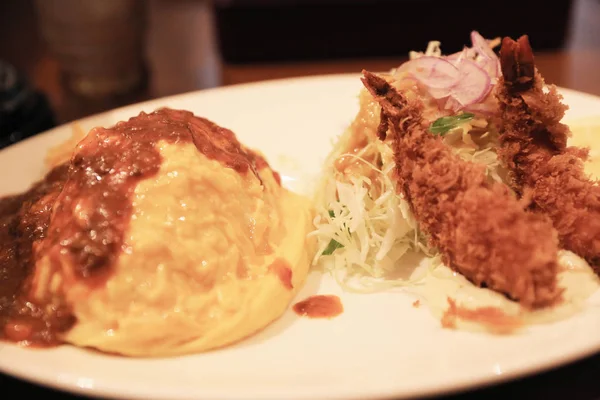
498	68
481	45
466	53
433	72
474	83
456	81
488	106
454	58
491	66
441	93
481	109
453	104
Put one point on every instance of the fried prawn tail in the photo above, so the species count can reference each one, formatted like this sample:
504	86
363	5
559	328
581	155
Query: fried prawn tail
533	145
481	230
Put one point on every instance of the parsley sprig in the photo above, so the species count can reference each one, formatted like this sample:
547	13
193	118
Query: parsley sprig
443	125
333	244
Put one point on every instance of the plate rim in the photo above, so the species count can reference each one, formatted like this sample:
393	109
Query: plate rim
236	87
456	387
115	392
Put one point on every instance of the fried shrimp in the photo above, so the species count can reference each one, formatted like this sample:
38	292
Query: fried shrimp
533	145
480	228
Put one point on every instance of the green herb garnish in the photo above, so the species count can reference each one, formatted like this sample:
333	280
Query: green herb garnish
331	247
333	244
442	125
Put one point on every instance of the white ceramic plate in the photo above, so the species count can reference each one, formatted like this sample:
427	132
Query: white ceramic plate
380	347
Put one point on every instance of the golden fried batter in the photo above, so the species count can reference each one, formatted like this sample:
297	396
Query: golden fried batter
481	229
533	145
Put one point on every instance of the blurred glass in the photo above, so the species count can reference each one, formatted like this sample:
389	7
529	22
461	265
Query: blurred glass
99	44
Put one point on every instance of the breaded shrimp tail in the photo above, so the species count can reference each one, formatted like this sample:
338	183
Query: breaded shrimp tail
533	145
481	229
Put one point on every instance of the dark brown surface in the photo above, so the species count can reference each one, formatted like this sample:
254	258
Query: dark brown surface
24	221
259	31
175	69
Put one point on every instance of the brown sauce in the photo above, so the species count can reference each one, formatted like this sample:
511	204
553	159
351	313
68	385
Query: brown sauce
90	202
281	268
493	318
24	221
319	306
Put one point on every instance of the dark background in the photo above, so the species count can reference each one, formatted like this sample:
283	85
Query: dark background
274	30
193	45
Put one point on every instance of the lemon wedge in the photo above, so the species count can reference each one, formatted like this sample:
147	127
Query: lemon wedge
586	133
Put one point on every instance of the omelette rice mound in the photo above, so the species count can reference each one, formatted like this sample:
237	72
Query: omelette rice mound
212	247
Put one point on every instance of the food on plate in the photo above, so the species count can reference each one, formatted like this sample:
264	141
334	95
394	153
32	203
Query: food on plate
161	235
414	195
533	146
479	227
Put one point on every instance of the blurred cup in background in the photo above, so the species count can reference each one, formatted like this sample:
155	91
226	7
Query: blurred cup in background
99	44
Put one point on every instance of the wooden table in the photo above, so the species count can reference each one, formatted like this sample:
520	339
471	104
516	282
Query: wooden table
575	69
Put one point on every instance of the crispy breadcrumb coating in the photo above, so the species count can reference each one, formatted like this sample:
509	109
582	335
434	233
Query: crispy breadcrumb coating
480	228
533	145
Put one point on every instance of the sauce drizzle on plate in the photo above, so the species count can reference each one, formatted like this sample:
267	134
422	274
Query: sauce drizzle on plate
319	306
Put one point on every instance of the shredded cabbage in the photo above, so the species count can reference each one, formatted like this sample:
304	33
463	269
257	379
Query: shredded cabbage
361	213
